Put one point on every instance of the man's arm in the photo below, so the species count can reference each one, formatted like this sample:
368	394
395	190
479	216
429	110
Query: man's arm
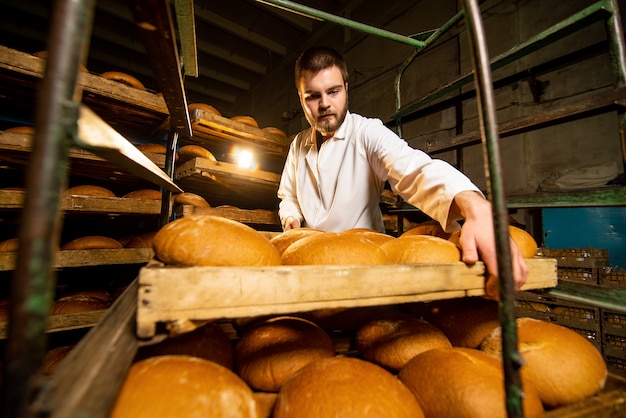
478	239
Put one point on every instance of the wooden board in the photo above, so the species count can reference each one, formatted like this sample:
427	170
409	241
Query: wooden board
222	132
252	216
57	323
123	107
84	258
199	293
222	183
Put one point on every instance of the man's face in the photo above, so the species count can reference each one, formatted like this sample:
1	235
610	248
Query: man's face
324	98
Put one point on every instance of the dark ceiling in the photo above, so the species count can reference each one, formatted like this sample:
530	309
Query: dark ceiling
239	42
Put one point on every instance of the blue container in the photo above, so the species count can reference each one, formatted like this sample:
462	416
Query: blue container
594	227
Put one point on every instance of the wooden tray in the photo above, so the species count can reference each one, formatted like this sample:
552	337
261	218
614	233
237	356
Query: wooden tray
222	132
222	183
252	216
201	293
85	258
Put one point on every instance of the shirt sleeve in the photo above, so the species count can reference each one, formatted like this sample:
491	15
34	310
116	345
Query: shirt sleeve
426	183
289	205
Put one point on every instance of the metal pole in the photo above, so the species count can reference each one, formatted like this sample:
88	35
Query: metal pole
486	110
33	281
328	17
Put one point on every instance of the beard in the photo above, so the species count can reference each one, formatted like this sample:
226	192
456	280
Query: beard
328	127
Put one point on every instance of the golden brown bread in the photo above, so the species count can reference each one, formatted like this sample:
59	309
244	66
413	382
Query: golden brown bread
196	151
420	249
206	107
563	365
465	321
183	386
462	382
525	242
333	248
77	304
188	198
427	228
9	246
345	387
213	241
246	120
209	342
89	190
271	351
152	148
24	130
123	78
144	240
391	343
286	238
148	194
54	357
376	237
275	131
92	242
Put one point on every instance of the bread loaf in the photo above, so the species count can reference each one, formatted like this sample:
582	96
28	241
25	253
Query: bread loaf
77	304
465	321
147	194
391	343
54	357
420	249
208	342
275	131
213	241
333	248
525	242
206	107
462	382
24	130
246	120
271	351
89	190
152	148
92	242
345	387
196	151
183	386
9	246
376	237
286	238
187	198
427	228
144	240
123	78
563	365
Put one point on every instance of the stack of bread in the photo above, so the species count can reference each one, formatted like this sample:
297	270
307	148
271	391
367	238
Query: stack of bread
436	359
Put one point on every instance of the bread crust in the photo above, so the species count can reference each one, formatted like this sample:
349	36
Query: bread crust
123	78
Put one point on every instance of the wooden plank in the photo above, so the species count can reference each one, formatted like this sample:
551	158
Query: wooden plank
226	292
86	383
246	216
122	106
14	199
604	196
209	128
57	323
84	258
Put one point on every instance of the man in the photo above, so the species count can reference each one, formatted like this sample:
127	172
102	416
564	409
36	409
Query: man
336	170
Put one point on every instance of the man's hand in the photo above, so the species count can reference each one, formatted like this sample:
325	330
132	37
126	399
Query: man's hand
477	241
290	223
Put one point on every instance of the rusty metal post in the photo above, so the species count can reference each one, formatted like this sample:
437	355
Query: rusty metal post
490	137
33	281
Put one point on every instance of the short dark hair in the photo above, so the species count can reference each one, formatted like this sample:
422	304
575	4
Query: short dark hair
319	58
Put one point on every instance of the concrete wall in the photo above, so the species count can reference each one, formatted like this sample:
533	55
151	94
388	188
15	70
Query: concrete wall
528	158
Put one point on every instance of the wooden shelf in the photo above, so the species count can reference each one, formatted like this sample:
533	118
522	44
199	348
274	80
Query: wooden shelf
57	323
223	183
86	258
253	216
124	108
229	292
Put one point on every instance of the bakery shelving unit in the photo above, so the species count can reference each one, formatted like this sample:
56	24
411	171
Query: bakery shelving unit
102	358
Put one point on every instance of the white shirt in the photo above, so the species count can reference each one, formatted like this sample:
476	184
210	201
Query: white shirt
338	187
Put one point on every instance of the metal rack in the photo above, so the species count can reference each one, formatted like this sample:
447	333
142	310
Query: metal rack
33	280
